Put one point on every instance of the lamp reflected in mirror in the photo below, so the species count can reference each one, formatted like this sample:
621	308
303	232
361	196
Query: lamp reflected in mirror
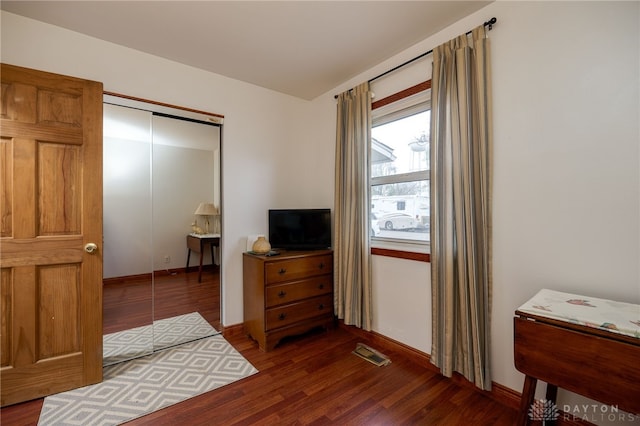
207	210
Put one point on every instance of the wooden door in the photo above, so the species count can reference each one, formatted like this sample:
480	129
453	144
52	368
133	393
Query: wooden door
51	208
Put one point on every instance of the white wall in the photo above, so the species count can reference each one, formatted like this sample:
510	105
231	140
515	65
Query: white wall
156	171
566	148
185	174
127	202
259	125
567	187
566	165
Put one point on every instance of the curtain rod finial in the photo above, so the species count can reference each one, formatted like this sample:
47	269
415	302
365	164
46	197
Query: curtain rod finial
490	23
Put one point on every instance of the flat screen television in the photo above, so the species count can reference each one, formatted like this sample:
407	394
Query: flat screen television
300	229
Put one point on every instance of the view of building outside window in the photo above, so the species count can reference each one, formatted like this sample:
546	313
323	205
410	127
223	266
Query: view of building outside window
400	178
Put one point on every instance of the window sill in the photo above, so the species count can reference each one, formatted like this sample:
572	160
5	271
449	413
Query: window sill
417	252
400	254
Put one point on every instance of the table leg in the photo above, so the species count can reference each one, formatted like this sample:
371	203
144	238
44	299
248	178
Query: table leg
551	395
186	268
528	394
200	268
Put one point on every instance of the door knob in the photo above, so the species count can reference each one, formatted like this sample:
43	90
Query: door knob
90	248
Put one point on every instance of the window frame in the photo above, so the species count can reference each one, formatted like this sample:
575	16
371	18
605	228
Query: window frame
407	102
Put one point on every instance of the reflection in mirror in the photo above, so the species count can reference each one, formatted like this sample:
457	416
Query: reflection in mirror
185	175
158	168
127	253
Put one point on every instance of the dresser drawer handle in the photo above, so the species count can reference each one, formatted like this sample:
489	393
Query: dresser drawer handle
321	307
282	293
282	271
282	316
321	265
321	286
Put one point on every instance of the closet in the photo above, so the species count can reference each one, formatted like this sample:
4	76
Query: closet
160	164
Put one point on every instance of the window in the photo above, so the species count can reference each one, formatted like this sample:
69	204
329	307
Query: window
399	193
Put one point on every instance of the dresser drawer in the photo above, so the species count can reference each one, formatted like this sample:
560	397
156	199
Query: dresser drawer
286	270
286	295
294	312
280	294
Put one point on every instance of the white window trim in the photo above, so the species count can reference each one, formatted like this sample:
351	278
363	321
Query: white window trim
402	107
416	103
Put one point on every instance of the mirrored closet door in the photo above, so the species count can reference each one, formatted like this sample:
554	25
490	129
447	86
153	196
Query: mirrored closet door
162	208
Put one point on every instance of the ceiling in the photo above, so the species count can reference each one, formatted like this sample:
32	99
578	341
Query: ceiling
300	48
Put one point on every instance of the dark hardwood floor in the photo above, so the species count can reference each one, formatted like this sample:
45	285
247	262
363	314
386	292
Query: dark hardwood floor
315	380
127	304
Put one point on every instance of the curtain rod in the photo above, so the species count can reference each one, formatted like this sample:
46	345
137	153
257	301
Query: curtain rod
489	24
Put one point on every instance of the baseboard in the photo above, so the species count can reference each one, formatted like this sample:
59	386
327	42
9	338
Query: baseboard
384	341
500	393
127	279
505	395
160	273
140	277
231	330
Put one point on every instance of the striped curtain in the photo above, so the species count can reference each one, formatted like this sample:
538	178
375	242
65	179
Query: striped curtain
352	266
461	157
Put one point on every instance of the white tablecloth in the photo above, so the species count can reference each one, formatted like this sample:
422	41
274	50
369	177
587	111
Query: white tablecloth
617	317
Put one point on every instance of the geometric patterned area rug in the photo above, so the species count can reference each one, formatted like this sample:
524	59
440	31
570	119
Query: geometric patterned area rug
164	333
141	386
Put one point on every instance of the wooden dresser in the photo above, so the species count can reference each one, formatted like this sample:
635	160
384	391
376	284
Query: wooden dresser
287	294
